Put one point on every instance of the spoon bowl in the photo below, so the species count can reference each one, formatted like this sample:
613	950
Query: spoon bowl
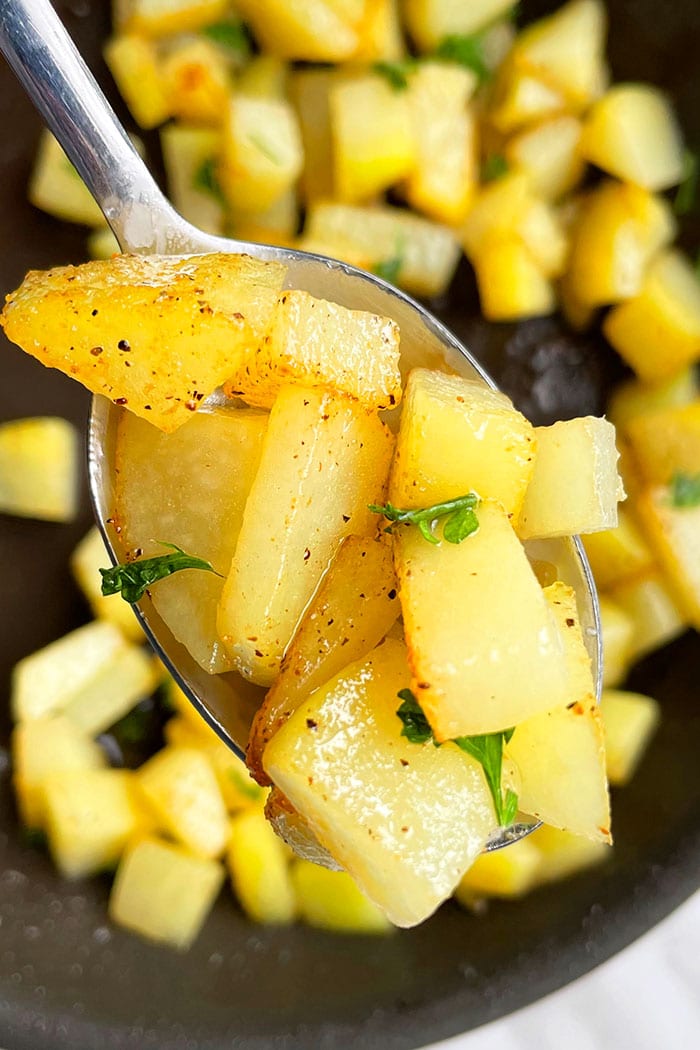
45	60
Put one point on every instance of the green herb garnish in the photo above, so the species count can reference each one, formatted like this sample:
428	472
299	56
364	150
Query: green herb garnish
686	194
467	51
397	73
389	269
133	578
231	35
494	167
206	180
459	514
416	727
486	749
685	490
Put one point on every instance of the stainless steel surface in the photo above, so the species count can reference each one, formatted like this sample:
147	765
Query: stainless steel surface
54	75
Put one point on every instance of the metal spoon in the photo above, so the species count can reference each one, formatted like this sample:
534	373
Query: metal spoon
59	83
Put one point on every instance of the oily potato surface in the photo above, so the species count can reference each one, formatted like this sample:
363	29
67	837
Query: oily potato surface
156	334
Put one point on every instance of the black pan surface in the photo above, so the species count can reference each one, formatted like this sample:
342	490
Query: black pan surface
70	980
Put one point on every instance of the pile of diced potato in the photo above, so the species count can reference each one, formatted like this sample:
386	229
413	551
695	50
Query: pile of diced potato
395	136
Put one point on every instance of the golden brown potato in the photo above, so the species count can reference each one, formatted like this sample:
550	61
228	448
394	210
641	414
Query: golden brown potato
156	334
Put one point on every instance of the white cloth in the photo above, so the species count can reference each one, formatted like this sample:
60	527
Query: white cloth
645	998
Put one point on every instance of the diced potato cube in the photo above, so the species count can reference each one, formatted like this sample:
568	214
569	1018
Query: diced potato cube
543	235
257	862
55	186
426	253
560	756
520	99
443	180
163	892
131	675
200	508
511	284
653	610
549	154
39	468
633	398
197	81
373	138
352	610
619	553
310	90
505	873
318	343
324	460
262	151
630	721
404	820
497	212
179	322
617	629
155	18
44	682
311	30
190	156
632	132
43	747
91	814
666	442
575	486
451	441
277	225
295	830
566	49
564	854
181	790
238	789
619	230
562	601
381	37
658	332
86	560
478	674
430	21
331	901
674	535
134	63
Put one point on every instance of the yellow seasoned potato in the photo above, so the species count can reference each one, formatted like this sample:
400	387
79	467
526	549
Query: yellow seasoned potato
41	748
164	893
618	554
511	283
352	610
324	460
134	63
673	533
658	332
311	30
497	212
199	507
653	610
295	830
444	178
262	153
480	673
190	155
425	254
373	139
320	344
520	99
405	820
238	790
90	817
39	468
561	501
131	675
156	334
562	601
197	81
549	154
331	901
56	187
506	873
632	398
566	50
666	442
155	18
430	21
630	721
259	867
560	756
617	628
180	789
451	440
381	38
309	91
564	854
632	132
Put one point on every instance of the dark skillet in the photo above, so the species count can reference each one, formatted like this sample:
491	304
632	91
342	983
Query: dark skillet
69	980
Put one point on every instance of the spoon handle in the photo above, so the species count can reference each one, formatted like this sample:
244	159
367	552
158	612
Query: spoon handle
47	63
